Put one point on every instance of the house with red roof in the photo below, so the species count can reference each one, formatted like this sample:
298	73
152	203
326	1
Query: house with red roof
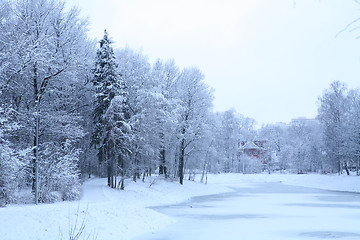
253	149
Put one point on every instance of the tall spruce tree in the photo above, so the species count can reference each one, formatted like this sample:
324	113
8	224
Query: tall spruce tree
106	81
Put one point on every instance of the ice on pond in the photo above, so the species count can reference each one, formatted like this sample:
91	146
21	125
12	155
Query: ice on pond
265	211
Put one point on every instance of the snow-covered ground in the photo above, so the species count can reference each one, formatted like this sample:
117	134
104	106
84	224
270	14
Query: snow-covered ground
113	214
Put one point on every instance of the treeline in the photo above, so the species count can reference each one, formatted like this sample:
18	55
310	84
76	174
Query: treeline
328	144
83	108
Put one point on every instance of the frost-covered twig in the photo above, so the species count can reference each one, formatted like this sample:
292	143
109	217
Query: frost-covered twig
153	182
348	26
75	231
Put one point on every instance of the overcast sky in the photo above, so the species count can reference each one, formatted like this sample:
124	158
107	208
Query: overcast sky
268	59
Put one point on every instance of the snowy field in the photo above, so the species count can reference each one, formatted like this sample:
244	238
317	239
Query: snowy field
112	214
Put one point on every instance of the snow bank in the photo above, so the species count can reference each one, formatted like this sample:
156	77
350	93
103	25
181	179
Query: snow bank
115	214
106	213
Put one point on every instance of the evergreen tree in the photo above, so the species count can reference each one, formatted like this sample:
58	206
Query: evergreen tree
106	81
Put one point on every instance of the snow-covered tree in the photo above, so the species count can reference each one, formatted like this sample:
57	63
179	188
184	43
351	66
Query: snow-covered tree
304	145
276	136
108	84
142	102
353	127
119	138
196	104
165	75
339	114
233	129
332	114
229	137
44	54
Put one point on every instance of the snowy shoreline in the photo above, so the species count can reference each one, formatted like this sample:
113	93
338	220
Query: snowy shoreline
113	214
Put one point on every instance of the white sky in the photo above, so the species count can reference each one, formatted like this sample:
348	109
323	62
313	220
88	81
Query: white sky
268	59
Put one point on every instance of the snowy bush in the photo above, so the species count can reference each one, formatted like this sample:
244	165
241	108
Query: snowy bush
12	172
59	176
12	162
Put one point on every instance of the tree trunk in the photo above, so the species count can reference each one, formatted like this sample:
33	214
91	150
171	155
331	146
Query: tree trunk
122	185
36	98
109	174
176	167
181	161
206	176
34	165
346	168
89	168
204	170
162	167
115	167
136	167
112	174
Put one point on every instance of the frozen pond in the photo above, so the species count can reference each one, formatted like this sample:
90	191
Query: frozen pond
265	211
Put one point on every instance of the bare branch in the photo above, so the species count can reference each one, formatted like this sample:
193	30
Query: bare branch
75	109
348	26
